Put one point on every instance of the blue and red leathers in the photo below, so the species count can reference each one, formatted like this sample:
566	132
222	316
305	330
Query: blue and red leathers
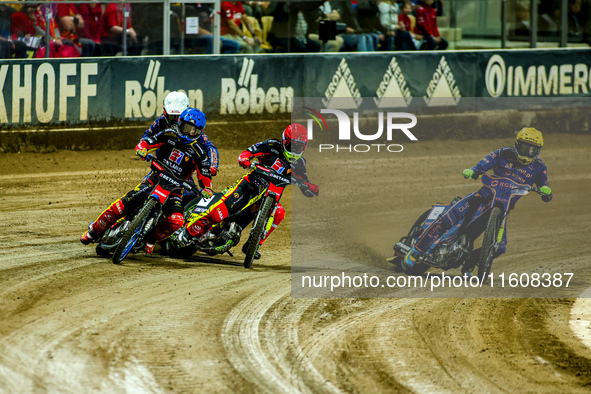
504	163
162	123
182	157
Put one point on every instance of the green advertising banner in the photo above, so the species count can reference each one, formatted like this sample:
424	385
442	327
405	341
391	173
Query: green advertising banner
99	92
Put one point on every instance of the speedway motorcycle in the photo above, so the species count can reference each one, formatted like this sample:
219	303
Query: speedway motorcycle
221	237
129	233
455	247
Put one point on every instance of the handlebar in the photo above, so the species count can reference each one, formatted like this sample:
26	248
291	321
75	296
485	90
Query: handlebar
296	181
525	187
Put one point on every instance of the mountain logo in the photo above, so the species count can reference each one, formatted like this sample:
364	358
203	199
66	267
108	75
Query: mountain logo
443	90
393	90
342	91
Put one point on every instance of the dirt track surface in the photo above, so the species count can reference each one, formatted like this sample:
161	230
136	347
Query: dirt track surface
73	322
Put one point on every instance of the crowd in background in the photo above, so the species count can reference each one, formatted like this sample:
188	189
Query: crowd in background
97	29
578	14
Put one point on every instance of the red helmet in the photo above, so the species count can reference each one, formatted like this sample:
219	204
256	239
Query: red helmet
295	140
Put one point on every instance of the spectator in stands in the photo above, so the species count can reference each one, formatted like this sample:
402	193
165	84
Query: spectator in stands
8	46
368	16
70	23
426	26
205	37
58	46
388	13
92	13
549	18
354	39
256	9
575	26
289	32
405	39
313	15
520	29
23	31
233	16
112	31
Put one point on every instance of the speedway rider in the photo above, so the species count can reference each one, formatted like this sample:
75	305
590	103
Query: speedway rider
174	104
285	155
519	163
179	149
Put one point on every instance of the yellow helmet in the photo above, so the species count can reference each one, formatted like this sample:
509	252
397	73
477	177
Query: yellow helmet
528	144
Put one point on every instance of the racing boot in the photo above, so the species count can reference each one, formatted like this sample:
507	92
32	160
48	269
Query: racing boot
257	255
231	238
411	258
163	231
149	248
183	238
105	220
90	235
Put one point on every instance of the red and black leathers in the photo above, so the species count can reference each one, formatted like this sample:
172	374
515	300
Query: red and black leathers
269	153
182	157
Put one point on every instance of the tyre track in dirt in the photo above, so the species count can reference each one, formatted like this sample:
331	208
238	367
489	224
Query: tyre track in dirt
73	322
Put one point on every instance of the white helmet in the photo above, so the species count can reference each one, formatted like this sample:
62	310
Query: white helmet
174	104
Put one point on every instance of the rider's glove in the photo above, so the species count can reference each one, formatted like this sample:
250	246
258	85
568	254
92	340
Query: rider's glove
468	173
206	192
546	193
244	162
142	153
309	189
213	171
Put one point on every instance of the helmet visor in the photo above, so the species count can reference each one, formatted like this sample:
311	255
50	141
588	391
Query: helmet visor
527	150
296	147
191	130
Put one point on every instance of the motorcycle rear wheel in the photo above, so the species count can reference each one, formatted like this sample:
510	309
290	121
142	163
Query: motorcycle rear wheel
258	228
128	239
490	245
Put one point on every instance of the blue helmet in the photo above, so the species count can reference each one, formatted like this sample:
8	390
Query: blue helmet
191	122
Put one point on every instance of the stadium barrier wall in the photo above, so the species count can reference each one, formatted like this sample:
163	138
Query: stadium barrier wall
48	95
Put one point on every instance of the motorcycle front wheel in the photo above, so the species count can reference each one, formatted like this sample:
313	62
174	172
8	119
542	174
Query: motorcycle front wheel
131	236
415	231
490	244
258	228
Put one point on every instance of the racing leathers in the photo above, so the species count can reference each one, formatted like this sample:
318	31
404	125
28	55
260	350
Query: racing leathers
182	156
162	123
269	153
504	163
